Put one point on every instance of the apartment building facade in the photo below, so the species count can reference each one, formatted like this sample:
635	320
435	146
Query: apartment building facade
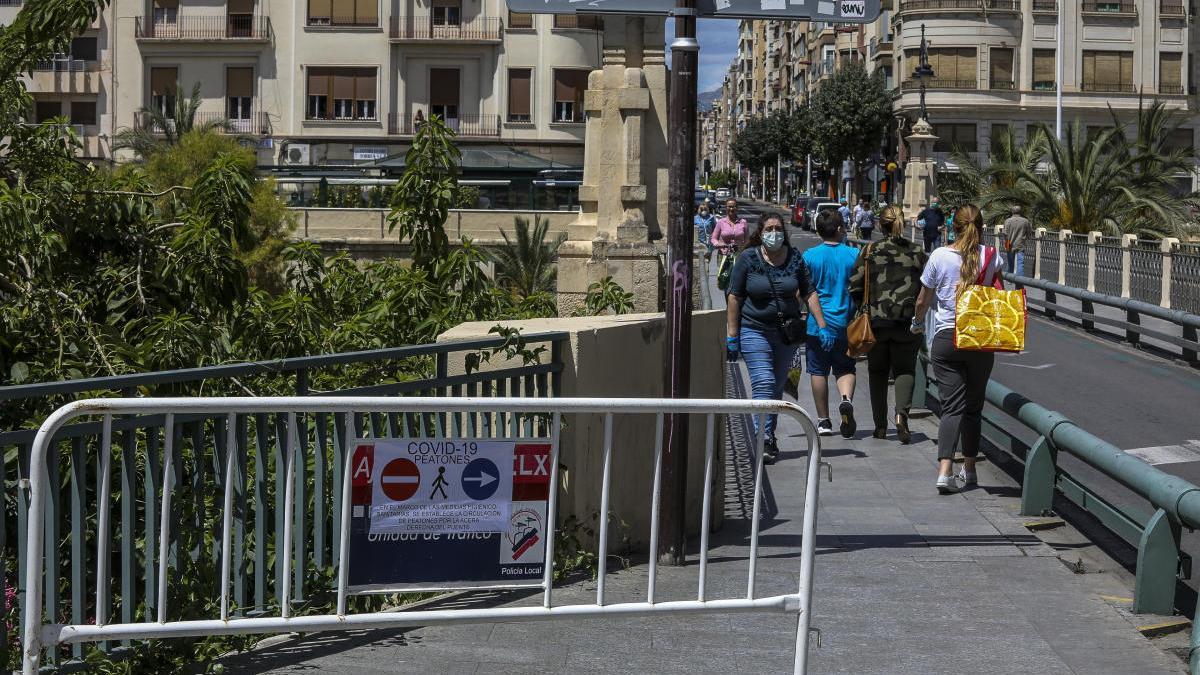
333	82
995	66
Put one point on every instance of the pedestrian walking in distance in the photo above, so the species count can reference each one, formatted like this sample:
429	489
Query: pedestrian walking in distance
1016	230
729	234
767	290
865	221
932	223
895	265
705	222
829	267
962	375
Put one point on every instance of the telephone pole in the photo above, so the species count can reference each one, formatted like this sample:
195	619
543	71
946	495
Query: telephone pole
681	125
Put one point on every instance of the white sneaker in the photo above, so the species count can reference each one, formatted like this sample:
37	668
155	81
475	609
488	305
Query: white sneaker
947	485
967	479
825	427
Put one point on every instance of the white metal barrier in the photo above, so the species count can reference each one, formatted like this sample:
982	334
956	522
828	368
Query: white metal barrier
39	634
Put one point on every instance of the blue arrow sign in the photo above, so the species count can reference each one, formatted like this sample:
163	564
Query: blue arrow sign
480	478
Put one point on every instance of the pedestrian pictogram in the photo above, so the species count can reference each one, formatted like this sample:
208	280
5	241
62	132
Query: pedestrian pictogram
400	479
480	479
440	483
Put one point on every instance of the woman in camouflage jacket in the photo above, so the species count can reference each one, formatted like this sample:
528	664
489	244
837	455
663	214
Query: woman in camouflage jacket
895	265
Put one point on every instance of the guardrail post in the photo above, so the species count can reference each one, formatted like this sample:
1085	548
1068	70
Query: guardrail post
1157	566
1093	240
1037	487
1167	246
1127	242
1039	236
1063	236
998	242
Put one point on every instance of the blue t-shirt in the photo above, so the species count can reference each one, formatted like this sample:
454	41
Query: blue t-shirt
829	269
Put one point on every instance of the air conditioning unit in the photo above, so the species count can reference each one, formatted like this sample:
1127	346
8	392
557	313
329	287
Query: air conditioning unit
297	153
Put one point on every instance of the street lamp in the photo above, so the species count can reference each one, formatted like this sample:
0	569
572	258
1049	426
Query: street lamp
923	73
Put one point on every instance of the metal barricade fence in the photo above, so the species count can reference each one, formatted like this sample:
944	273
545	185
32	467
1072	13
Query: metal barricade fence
42	632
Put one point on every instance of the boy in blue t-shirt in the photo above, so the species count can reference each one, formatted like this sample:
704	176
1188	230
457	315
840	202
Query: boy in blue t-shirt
829	266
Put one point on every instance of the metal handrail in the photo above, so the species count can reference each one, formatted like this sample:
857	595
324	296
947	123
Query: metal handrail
1134	310
273	367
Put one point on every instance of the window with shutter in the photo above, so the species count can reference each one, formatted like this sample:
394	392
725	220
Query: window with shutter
1043	70
83	112
1170	73
239	95
444	94
1105	71
569	86
1001	69
163	82
518	20
341	93
956	138
343	12
519	94
320	12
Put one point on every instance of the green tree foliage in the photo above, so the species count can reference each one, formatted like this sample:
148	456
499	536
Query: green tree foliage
1121	180
762	140
723	178
525	263
425	193
849	115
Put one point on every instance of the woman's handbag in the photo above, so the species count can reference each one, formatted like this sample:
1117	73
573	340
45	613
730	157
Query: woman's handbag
724	271
859	335
792	328
989	318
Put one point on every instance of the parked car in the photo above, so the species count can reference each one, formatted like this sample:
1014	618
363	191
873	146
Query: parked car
723	194
810	211
820	206
799	211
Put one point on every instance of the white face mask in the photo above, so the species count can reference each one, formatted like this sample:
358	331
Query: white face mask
772	240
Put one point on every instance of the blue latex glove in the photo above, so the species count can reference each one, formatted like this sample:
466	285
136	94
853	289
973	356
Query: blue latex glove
827	336
733	349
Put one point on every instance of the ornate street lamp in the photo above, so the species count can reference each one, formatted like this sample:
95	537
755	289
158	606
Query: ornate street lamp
923	73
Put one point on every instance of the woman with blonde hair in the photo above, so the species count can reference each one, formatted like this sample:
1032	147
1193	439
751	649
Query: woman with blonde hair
962	375
889	296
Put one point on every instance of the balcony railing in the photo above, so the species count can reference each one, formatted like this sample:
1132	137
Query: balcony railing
1002	85
203	28
467	126
256	123
940	83
1108	88
1045	6
343	21
876	45
1169	8
65	64
1109	7
1043	85
480	28
964	5
1170	89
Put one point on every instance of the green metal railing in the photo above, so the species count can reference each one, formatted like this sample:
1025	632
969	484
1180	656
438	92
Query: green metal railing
199	452
1035	436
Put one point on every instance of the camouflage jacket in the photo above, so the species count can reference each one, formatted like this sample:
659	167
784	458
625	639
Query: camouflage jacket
895	267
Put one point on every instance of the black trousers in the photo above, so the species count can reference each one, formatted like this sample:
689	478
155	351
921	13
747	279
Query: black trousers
894	354
962	378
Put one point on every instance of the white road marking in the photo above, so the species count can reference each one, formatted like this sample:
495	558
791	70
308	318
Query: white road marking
1189	451
1022	365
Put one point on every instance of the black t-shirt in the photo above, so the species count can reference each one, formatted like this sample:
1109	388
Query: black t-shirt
934	220
760	301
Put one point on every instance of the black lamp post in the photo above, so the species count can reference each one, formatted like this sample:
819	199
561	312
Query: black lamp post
923	72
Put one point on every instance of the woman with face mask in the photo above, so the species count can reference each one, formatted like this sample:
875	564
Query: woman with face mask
767	289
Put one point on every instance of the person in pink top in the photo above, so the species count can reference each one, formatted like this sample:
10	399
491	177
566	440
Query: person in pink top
730	233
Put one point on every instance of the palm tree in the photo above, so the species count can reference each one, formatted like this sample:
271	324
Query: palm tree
1157	170
525	264
160	129
1002	183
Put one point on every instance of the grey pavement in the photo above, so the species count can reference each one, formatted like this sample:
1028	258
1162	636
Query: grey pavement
907	581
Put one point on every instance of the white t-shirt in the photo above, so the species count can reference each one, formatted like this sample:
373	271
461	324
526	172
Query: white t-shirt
941	276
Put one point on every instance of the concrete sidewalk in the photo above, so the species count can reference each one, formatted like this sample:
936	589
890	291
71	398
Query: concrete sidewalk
906	582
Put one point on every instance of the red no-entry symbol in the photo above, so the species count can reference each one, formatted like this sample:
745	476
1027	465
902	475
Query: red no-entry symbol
400	479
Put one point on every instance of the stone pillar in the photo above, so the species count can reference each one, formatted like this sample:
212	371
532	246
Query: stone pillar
1063	237
920	175
1094	239
624	193
1127	242
1167	246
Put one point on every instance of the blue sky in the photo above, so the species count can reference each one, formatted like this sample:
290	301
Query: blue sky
718	45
